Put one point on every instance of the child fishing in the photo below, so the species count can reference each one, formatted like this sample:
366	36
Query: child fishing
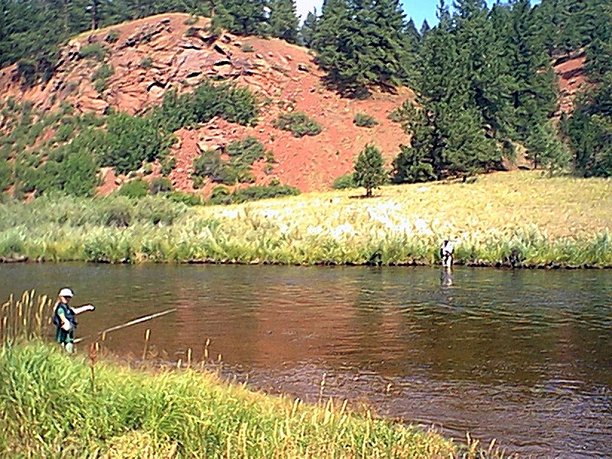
64	318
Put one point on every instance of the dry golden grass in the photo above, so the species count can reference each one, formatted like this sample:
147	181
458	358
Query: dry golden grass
559	207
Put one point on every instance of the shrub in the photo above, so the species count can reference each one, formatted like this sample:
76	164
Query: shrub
157	210
168	165
344	181
6	175
134	189
209	164
247	48
246	151
101	76
220	196
130	141
236	105
364	120
254	193
189	199
160	185
117	212
298	123
112	36
146	62
26	70
191	20
94	51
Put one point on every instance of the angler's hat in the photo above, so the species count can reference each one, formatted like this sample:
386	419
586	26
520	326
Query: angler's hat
66	293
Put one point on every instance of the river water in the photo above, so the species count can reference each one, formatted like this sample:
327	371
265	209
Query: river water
523	357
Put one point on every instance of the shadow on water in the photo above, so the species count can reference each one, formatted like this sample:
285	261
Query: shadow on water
520	356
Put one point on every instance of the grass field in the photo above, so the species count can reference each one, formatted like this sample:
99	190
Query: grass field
520	218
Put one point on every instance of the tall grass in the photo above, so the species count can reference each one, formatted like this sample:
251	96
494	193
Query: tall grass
24	318
518	219
48	408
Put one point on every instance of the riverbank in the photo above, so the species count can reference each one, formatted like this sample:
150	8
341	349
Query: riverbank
55	405
518	219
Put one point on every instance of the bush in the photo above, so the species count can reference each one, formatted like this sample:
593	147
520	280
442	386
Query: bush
298	123
257	192
94	51
112	36
160	185
247	48
364	120
189	199
130	141
146	62
168	165
246	151
6	175
26	70
134	189
157	211
236	105
117	212
101	76
220	196
344	181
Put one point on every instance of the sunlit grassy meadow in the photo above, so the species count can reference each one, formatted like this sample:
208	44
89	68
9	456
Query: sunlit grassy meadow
520	219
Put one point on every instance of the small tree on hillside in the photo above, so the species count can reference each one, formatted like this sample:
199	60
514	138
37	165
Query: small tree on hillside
369	172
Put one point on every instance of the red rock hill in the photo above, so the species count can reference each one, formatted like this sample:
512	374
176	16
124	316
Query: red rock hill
181	55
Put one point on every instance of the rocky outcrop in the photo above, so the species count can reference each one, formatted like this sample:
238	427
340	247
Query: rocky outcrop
169	52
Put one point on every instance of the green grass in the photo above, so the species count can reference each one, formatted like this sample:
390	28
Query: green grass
554	222
50	406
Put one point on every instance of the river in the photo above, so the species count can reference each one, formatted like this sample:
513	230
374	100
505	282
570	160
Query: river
523	357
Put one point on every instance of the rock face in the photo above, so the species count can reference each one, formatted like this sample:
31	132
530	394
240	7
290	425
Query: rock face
153	55
571	72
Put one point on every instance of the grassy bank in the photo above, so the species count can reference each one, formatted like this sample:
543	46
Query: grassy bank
520	219
49	408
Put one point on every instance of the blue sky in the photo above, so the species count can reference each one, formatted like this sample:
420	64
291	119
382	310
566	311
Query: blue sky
417	9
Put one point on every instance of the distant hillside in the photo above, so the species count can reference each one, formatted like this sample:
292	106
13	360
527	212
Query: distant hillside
129	67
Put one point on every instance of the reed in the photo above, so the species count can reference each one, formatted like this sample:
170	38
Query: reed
25	318
514	219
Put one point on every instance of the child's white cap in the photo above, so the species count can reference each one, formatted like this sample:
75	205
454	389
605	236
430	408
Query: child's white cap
66	293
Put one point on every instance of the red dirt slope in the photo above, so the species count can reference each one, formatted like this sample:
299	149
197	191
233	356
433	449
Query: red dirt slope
181	55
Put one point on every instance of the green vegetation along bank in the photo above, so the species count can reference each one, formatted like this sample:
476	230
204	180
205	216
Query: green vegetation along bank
517	219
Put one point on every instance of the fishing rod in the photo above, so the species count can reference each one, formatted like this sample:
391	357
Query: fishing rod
130	323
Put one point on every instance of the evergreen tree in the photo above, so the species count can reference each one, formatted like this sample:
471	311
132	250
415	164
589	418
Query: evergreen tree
369	172
242	17
283	22
360	43
309	29
425	28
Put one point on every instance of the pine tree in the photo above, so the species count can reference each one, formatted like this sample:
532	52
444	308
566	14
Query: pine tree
309	29
283	22
369	172
425	28
360	43
242	17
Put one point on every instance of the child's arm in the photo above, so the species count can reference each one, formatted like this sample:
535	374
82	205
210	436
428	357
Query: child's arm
83	308
66	325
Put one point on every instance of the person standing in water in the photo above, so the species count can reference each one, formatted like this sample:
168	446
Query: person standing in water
64	318
446	253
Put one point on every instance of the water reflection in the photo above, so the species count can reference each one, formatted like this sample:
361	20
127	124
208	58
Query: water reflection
521	356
